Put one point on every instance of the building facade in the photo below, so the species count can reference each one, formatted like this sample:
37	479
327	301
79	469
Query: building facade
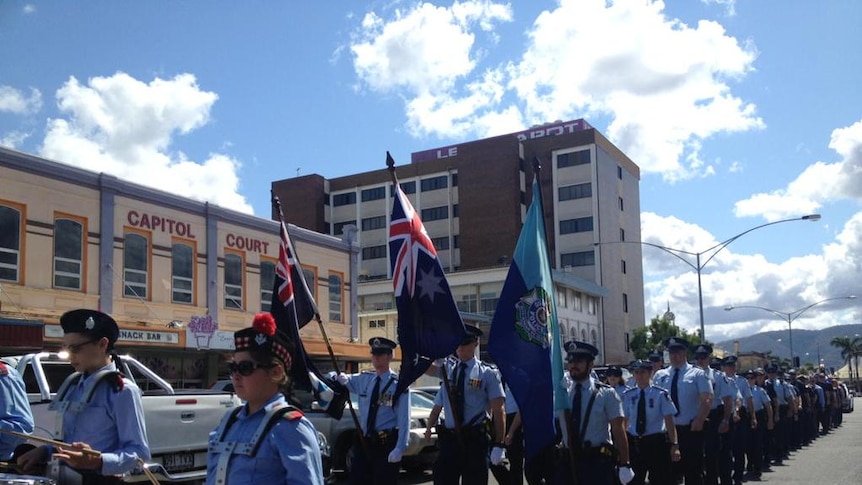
179	276
472	198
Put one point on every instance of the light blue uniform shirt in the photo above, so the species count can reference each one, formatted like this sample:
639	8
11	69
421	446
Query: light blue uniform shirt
658	405
621	389
780	391
15	414
607	406
722	387
744	391
511	405
112	423
821	396
761	398
691	384
481	385
289	453
390	414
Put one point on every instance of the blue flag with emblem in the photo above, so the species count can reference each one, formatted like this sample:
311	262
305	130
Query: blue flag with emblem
429	324
525	340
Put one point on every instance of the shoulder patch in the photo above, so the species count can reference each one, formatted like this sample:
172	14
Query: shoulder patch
3	369
293	415
116	381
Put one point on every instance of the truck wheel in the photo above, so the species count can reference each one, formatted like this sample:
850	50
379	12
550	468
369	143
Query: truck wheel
341	455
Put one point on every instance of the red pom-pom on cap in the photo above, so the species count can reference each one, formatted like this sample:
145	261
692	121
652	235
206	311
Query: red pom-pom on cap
264	323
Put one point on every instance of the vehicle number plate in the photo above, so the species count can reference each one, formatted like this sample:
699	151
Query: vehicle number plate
178	461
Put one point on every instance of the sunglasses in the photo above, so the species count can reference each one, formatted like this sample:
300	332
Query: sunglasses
246	367
75	348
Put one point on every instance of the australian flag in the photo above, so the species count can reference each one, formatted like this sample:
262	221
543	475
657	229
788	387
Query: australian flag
525	338
293	307
429	324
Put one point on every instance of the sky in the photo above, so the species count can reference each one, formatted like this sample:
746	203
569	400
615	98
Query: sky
738	112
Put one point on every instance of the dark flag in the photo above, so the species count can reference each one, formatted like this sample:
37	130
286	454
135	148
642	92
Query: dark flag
293	307
525	338
429	324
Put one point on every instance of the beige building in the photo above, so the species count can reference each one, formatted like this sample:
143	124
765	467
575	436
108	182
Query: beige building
179	276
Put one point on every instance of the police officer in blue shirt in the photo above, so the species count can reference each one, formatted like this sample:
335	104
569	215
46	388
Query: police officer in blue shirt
717	455
596	414
652	437
265	441
474	388
691	392
763	415
99	408
15	413
614	378
385	421
743	417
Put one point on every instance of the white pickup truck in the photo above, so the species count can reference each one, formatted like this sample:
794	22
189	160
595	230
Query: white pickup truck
178	422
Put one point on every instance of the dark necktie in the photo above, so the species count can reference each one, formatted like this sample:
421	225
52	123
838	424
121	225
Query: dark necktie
674	391
576	417
459	392
372	410
640	425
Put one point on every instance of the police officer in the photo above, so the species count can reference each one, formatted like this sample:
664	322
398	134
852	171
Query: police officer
743	418
596	414
15	413
385	422
265	441
691	392
775	388
464	441
762	408
656	359
614	378
717	456
652	437
99	408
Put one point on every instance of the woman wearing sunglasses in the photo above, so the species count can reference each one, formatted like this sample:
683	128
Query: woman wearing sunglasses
265	441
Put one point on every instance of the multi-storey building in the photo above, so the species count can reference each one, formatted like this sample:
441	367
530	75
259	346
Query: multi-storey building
472	198
179	276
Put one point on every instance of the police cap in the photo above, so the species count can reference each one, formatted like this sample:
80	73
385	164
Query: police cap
577	350
676	343
380	345
92	323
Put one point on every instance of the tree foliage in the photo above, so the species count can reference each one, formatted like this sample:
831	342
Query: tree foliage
650	337
850	347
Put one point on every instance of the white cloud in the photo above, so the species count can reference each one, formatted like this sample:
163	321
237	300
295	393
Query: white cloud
735	279
729	5
15	101
29	8
122	126
14	139
819	183
664	85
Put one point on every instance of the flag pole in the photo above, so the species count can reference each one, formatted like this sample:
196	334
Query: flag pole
390	164
277	203
567	414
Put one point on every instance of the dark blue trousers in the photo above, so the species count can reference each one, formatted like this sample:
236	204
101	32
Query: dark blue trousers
465	462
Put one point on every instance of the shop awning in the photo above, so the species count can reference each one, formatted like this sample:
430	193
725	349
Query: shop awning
17	334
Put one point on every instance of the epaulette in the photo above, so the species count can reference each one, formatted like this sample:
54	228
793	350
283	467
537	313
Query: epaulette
661	390
293	414
115	379
3	369
602	384
630	390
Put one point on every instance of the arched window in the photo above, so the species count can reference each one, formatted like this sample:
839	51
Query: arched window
10	243
182	273
136	266
573	333
594	338
583	335
267	280
68	254
233	273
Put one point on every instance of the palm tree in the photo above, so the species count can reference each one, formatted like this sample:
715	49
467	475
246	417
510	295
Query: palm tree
850	347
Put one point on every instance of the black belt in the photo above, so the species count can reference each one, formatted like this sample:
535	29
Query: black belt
382	437
648	437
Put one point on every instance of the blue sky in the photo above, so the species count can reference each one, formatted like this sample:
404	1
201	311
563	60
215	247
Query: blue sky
738	113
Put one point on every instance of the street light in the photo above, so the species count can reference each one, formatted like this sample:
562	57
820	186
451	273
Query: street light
790	316
698	266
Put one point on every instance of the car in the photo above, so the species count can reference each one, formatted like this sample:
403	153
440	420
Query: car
430	390
602	370
847	405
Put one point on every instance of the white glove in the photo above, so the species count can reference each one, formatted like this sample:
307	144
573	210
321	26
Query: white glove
626	474
395	455
566	381
342	379
498	455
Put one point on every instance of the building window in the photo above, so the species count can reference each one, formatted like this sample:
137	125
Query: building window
623	265
406	187
182	273
622	234
594	338
376	323
571	159
373	194
335	297
435	213
628	342
577	191
434	183
440	243
583	258
456	210
136	265
267	283
581	224
373	252
310	276
488	303
573	333
371	223
233	281
344	199
454	180
455	241
10	243
622	206
591	305
561	298
625	303
577	305
338	227
619	172
583	335
467	304
68	254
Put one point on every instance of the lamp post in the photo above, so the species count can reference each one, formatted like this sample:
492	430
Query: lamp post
698	265
789	317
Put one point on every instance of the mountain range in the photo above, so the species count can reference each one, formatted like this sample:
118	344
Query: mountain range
807	344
